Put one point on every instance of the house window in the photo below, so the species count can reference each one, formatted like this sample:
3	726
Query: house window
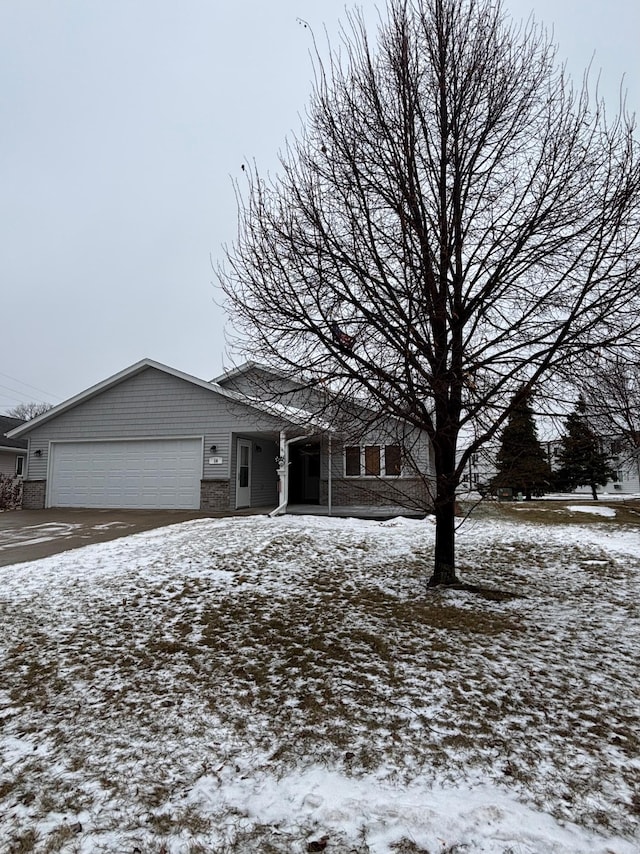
19	466
352	461
392	460
372	461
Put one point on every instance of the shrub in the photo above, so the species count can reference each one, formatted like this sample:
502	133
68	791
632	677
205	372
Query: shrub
10	492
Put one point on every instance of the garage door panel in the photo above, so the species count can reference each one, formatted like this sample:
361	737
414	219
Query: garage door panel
146	474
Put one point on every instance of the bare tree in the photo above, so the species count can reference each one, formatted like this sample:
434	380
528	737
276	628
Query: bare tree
27	411
611	387
459	212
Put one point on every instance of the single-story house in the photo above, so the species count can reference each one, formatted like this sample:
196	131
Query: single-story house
13	452
155	437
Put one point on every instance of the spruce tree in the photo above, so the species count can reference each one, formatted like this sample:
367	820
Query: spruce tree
582	462
521	461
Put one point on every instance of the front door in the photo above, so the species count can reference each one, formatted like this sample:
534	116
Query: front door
243	473
304	473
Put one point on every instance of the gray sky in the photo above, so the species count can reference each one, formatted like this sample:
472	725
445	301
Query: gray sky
122	124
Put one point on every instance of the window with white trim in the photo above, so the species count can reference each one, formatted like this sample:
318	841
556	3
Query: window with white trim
19	466
372	461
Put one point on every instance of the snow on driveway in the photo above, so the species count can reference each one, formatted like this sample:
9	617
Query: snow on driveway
255	684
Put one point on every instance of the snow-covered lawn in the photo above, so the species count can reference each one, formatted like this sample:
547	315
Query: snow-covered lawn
272	685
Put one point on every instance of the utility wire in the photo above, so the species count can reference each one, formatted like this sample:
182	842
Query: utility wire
16	380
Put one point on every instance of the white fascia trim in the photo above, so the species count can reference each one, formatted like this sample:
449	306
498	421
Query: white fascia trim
245	367
113	439
235	372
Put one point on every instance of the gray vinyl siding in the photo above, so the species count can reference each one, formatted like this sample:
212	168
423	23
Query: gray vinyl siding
8	462
151	404
261	385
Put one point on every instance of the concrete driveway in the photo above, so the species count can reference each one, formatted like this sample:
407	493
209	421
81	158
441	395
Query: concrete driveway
32	534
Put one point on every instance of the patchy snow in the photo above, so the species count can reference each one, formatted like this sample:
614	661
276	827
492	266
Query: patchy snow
32	534
587	496
255	684
595	511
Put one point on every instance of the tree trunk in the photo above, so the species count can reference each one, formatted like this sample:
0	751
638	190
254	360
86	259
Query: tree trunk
594	492
444	569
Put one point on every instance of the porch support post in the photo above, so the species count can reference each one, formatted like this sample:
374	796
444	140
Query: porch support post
283	474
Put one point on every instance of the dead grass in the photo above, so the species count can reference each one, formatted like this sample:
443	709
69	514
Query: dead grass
556	512
521	673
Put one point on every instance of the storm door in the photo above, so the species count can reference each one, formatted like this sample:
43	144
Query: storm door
243	473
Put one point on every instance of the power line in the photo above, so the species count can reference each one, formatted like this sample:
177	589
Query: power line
16	391
16	380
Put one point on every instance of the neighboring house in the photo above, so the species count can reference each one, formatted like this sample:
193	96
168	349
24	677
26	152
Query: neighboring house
155	437
481	468
479	471
623	460
626	462
13	452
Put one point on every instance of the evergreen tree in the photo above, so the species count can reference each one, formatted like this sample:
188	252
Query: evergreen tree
521	461
582	462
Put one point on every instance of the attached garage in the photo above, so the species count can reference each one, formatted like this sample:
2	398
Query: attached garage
151	437
143	474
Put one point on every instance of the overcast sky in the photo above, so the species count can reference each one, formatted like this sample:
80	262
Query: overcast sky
122	125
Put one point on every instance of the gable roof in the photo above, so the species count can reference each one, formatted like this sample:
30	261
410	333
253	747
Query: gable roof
7	425
248	367
244	368
296	417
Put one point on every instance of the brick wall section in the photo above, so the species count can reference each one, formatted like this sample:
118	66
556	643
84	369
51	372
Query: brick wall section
368	492
33	493
215	495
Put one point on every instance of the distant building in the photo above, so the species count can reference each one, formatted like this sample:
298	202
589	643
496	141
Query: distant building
13	452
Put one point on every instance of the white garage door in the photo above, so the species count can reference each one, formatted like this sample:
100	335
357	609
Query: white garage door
151	473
